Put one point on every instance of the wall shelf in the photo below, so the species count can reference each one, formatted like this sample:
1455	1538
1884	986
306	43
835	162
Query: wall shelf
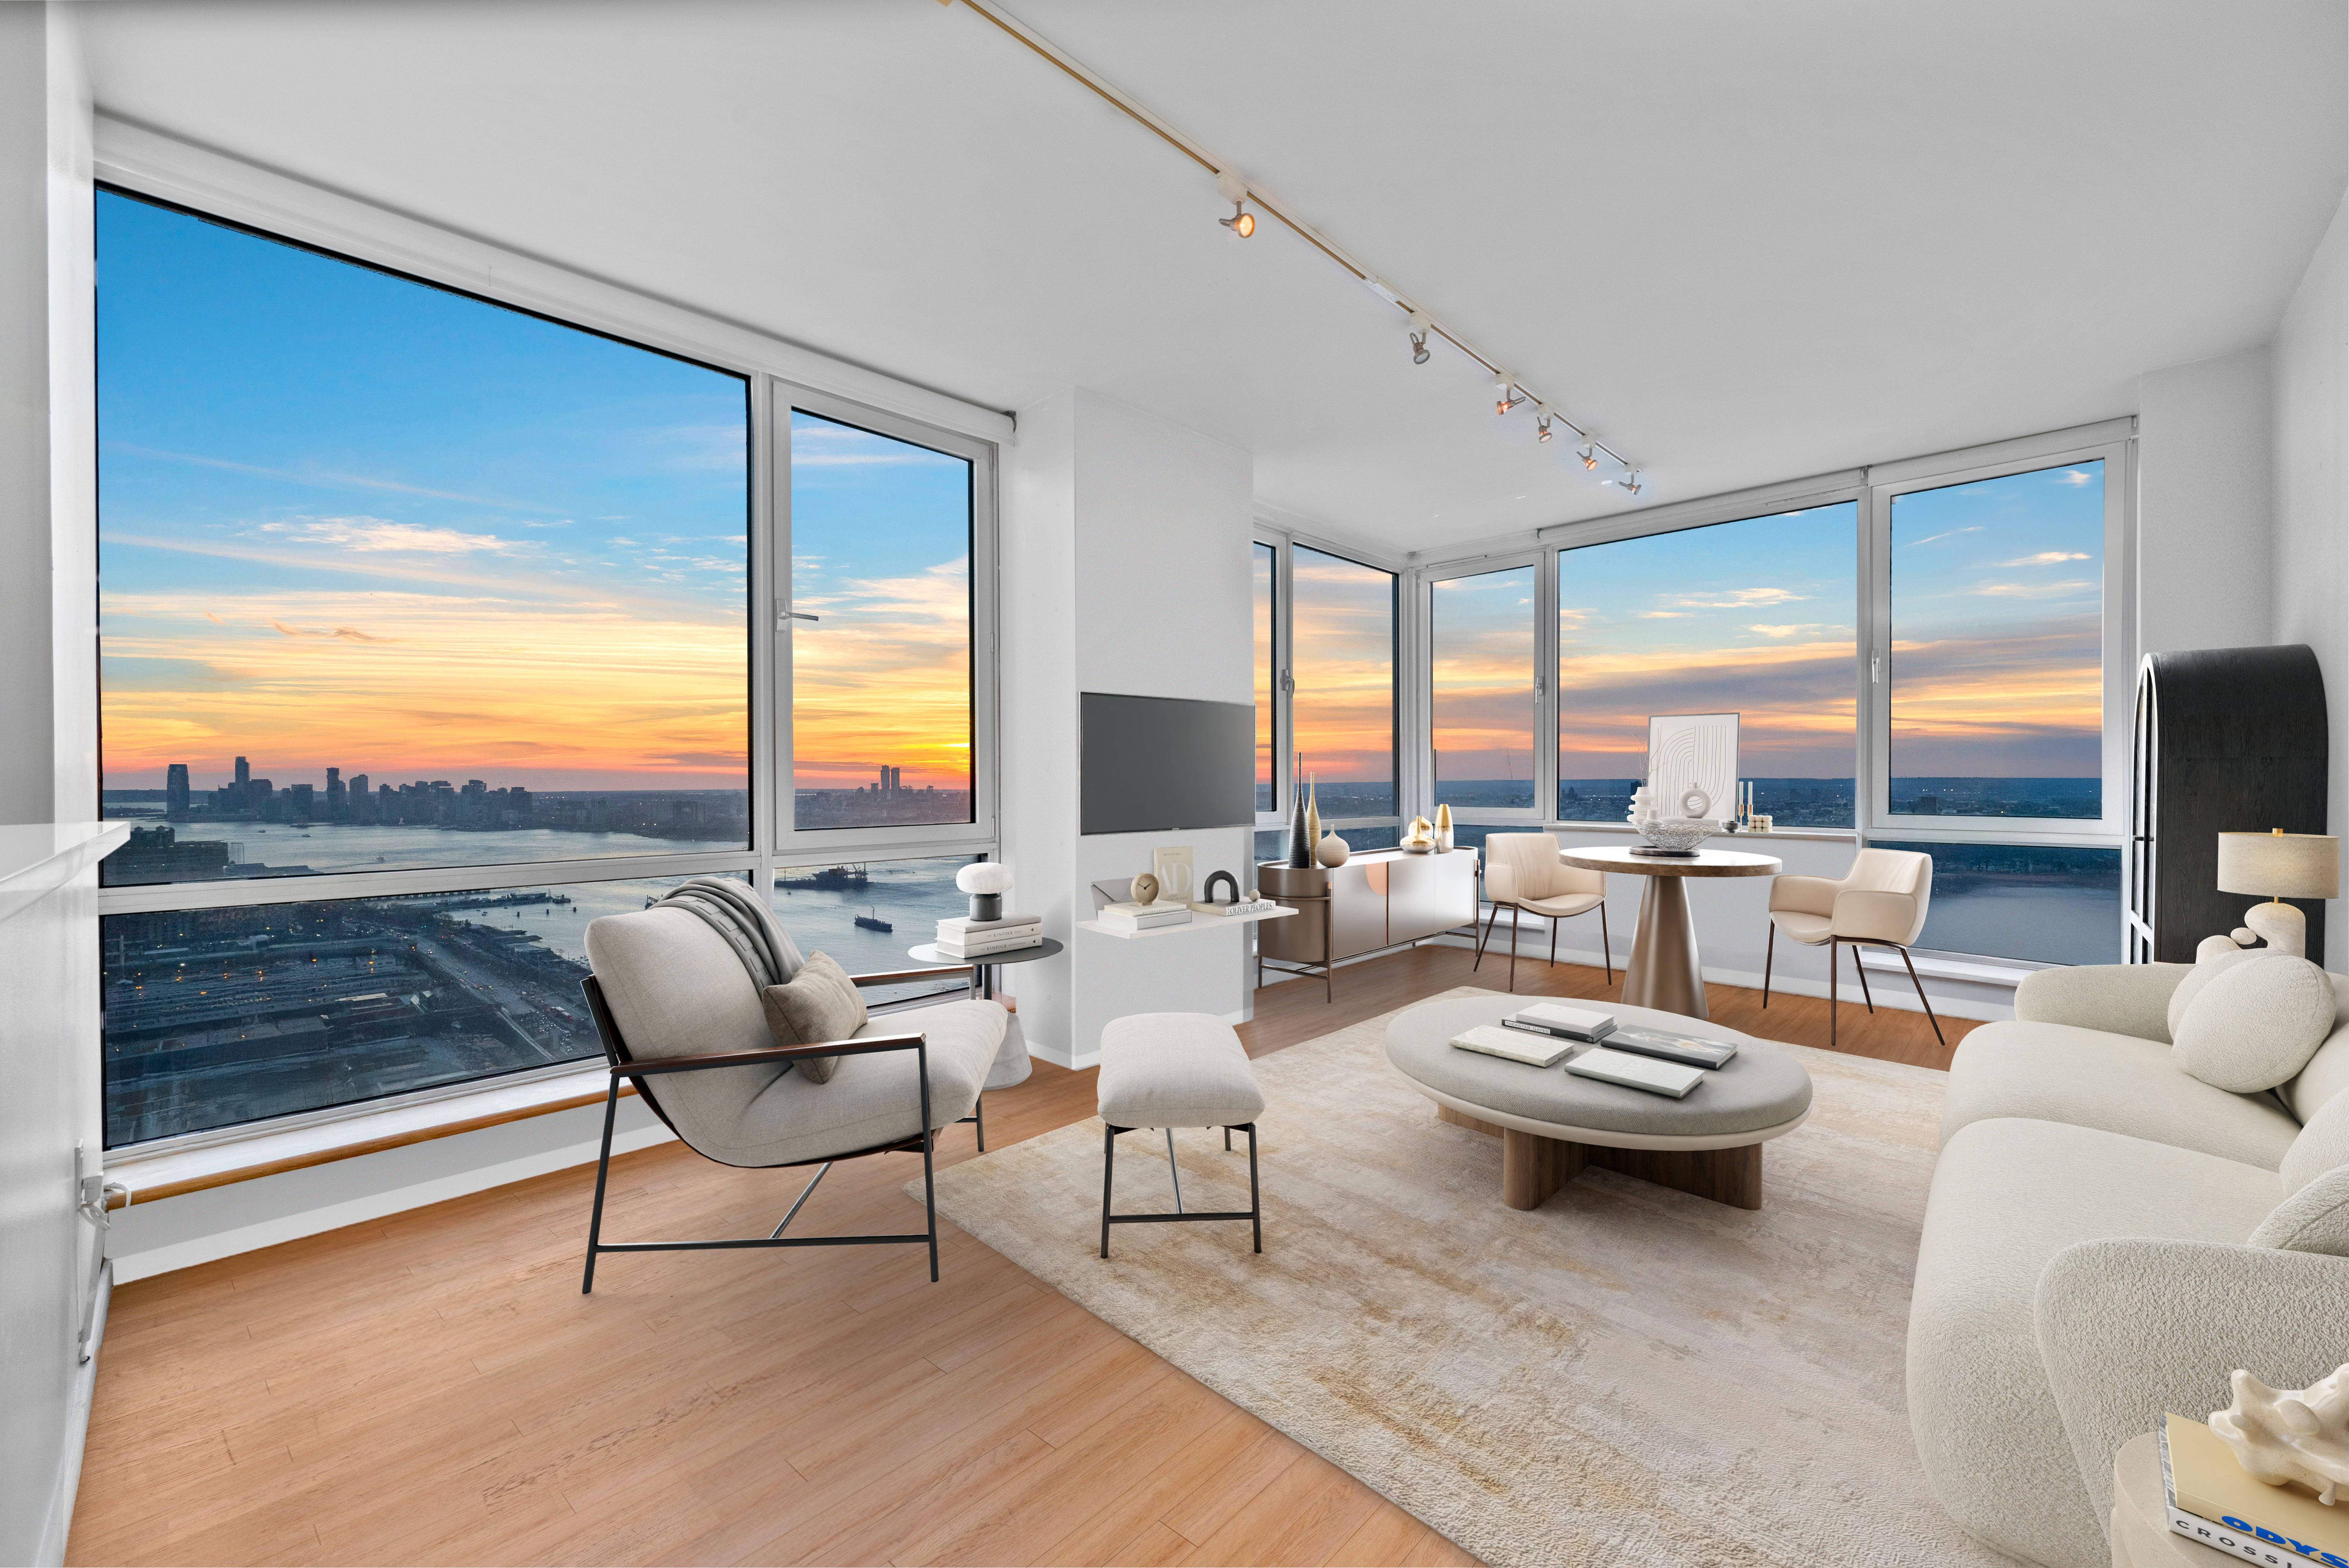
1200	923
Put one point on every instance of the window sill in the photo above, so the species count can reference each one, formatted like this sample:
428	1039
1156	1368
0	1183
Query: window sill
167	1173
1979	972
1719	840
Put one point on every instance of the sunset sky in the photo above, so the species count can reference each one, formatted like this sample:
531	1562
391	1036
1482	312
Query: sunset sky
1483	628
1751	617
351	520
1344	664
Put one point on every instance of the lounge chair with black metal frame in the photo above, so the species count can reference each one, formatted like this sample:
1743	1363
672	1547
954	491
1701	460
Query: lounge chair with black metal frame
1880	903
1522	872
673	1003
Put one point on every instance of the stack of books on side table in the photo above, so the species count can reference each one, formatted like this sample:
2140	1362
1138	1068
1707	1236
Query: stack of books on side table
966	939
2212	1501
1145	916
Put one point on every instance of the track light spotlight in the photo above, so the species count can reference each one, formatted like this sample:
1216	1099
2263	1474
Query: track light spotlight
1242	222
1542	412
1503	393
1422	323
1589	452
1630	480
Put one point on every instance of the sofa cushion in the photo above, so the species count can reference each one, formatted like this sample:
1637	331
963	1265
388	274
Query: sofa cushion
2327	1072
2252	1025
2120	998
822	1003
2118	1083
2007	1196
2321	1145
2206	969
2315	1219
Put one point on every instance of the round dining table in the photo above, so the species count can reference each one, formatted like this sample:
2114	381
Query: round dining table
1663	973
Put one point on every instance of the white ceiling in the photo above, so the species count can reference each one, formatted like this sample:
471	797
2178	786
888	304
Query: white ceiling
1746	242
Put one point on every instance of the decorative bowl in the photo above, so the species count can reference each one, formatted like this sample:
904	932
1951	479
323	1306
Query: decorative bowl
1675	833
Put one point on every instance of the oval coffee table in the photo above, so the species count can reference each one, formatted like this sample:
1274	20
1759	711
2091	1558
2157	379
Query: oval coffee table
1663	972
1552	1124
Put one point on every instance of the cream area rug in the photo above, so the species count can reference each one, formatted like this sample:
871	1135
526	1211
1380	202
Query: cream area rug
1626	1375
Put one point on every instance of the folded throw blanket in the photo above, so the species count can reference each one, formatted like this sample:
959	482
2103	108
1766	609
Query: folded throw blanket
749	926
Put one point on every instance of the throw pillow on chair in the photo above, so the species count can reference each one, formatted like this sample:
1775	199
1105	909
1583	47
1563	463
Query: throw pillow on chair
822	1003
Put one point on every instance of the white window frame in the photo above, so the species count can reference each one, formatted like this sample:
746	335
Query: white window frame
2113	443
1544	562
145	162
795	845
1285	542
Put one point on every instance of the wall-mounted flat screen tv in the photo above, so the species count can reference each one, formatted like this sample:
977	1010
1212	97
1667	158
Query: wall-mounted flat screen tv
1157	763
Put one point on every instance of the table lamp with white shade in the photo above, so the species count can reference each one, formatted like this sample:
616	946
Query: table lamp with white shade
2281	865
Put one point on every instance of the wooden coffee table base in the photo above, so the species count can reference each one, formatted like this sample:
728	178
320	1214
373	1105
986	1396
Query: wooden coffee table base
1534	1167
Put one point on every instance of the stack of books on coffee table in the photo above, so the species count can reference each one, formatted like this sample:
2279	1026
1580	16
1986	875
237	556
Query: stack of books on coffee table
968	939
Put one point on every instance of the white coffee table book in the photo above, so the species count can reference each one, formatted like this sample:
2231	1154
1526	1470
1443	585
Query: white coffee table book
1569	1023
1534	1049
1651	1073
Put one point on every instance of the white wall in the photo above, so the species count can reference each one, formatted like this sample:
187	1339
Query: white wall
2205	457
2311	397
1125	569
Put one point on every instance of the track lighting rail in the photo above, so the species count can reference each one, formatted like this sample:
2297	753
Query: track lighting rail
1423	324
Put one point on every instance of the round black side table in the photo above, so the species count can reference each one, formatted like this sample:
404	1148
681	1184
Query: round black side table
982	968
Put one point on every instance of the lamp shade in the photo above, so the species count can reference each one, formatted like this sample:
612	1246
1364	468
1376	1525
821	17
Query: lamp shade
2279	865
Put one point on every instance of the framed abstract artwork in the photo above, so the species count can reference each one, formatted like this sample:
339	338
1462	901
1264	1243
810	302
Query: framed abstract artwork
1692	764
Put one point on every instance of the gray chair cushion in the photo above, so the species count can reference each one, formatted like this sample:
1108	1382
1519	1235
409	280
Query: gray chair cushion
677	988
821	1002
1175	1069
2118	1083
2007	1197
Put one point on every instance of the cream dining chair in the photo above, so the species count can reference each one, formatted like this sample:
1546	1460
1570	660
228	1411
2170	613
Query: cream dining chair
1522	871
1879	903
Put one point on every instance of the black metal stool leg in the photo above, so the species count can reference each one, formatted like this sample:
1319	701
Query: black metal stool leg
1255	1198
1109	1174
603	1166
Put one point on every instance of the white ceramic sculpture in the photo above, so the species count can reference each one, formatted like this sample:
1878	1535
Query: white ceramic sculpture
1331	850
2281	1435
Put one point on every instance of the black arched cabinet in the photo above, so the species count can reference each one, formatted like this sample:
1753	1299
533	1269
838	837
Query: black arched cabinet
2228	740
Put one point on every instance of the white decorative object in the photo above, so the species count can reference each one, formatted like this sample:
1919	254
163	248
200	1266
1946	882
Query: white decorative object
2283	1435
2281	865
987	882
1443	842
1675	833
1692	752
1177	882
1330	851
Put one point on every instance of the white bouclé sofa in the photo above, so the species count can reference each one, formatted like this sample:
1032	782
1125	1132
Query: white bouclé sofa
2086	1261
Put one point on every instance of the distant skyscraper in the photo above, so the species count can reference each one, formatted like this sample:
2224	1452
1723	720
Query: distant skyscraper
175	789
243	774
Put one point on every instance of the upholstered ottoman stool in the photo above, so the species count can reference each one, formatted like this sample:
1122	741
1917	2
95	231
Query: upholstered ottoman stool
1171	1070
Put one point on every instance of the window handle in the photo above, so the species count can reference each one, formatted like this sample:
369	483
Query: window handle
1875	669
782	618
1288	682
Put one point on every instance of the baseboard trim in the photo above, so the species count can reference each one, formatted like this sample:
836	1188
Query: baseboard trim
58	1527
374	1206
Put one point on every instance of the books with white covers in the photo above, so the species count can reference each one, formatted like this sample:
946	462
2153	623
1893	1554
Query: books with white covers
1009	925
950	948
1540	1051
1696	1050
1145	916
1027	933
1243	906
1636	1071
1567	1023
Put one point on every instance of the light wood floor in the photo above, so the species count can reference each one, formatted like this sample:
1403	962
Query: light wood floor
432	1388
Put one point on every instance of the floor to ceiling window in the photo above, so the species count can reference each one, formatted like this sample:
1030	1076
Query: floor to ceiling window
427	637
1264	571
1924	656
